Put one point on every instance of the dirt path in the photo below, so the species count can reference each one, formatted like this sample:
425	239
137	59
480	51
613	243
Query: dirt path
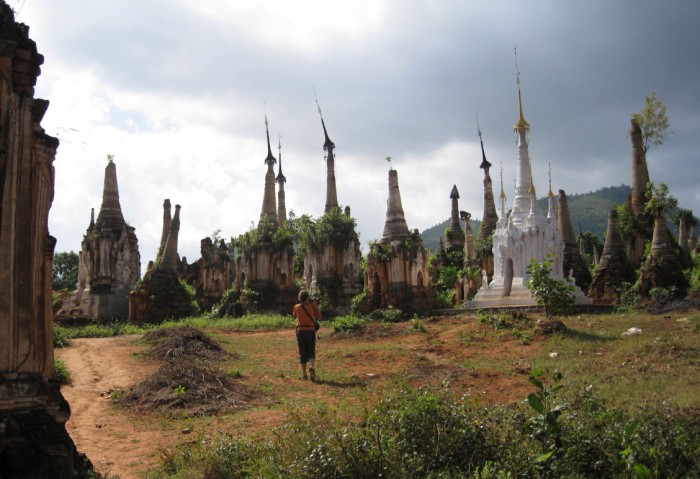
114	443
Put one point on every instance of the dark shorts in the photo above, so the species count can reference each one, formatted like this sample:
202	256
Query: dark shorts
307	345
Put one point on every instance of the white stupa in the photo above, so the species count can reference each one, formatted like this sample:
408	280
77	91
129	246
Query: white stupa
522	236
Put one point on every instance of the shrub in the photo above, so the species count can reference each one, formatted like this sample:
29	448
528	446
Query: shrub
346	324
389	315
61	373
556	297
60	337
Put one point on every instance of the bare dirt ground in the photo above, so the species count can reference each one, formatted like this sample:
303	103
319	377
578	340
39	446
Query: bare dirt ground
490	367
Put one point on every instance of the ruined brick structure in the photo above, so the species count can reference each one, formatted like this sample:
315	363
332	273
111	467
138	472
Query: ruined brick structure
334	270
161	295
397	267
637	200
109	261
264	266
613	269
33	438
573	261
484	241
211	274
661	269
454	236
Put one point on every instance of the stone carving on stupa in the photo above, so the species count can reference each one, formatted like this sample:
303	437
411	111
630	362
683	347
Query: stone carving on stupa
109	263
484	242
334	268
162	294
573	260
34	442
613	268
262	265
523	236
397	271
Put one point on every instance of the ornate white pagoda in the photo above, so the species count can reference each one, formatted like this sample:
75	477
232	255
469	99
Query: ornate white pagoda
523	235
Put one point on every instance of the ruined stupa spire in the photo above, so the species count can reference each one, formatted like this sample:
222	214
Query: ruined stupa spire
168	262
395	227
551	212
92	219
281	180
269	206
167	218
110	215
682	233
573	259
329	147
469	246
640	172
455	236
490	217
613	269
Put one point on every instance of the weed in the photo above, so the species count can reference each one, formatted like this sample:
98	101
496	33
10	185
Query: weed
418	325
61	373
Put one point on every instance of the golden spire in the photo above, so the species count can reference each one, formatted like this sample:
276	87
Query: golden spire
521	123
531	190
502	195
550	194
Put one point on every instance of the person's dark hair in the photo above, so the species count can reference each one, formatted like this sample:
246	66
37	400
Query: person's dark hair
303	295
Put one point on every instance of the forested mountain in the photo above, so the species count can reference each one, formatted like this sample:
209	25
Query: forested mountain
589	209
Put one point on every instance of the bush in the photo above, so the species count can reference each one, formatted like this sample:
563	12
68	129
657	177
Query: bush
388	315
60	337
556	297
61	373
346	324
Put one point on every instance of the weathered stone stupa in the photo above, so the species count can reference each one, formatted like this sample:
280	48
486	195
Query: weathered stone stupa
573	261
454	236
33	413
524	236
637	200
109	260
212	274
661	269
397	267
334	268
613	268
162	295
484	243
264	266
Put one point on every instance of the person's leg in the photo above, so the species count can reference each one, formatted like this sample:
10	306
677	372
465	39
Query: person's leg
312	357
303	353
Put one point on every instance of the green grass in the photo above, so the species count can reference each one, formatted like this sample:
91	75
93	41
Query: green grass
658	365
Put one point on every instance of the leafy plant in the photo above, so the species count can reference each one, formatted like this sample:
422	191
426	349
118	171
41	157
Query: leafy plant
61	372
545	426
555	296
179	390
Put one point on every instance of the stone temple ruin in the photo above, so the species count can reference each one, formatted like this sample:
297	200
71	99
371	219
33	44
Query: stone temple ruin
524	235
335	266
33	438
397	267
161	294
265	266
109	261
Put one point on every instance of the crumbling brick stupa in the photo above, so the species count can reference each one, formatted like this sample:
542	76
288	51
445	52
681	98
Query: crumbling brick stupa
334	269
109	262
33	438
162	294
397	271
212	274
262	264
614	269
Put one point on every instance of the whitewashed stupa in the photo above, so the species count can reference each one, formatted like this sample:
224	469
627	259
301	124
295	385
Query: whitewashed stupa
523	235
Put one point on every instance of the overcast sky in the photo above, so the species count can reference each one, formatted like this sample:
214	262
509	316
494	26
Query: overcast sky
177	91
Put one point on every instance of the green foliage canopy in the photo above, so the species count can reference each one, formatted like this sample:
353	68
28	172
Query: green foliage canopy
65	270
653	122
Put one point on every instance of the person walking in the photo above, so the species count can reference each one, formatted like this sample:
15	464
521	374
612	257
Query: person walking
307	315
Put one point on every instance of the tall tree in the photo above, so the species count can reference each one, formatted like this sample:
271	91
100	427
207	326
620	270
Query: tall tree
65	270
653	122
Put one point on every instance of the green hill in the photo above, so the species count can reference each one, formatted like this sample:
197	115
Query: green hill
590	210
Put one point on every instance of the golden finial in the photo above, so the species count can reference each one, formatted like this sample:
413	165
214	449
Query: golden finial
532	183
503	194
550	194
521	123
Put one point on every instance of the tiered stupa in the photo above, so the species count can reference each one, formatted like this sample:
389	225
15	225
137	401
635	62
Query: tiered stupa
525	235
662	269
484	243
334	269
109	262
264	266
454	236
397	267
